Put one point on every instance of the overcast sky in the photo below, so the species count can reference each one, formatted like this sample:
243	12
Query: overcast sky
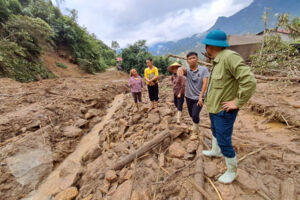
127	21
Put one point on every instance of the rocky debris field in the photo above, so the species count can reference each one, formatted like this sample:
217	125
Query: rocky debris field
64	142
42	122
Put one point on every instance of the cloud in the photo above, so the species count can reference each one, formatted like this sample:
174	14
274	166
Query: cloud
127	21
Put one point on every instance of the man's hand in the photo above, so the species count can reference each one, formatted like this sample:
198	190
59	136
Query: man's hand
229	105
179	96
200	102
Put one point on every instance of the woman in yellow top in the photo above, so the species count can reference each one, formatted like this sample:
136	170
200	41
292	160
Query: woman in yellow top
151	76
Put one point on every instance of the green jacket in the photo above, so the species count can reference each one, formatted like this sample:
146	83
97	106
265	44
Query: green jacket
230	79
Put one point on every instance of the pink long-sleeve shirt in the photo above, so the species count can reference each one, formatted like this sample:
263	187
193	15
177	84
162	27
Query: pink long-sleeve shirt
136	84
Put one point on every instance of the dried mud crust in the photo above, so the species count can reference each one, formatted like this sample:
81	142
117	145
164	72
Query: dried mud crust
262	175
42	122
278	101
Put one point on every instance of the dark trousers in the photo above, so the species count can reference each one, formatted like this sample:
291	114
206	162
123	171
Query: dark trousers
178	102
153	92
222	127
137	96
194	109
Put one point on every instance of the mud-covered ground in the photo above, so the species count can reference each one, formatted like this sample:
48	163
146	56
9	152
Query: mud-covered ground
42	122
59	137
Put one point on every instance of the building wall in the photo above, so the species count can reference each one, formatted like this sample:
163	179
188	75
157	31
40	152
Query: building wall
245	50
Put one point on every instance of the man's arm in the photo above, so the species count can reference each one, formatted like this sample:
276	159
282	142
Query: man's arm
246	82
203	91
183	69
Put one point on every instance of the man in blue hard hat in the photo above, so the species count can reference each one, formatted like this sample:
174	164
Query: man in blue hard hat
230	86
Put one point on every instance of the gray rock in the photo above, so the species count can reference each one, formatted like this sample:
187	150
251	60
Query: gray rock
30	166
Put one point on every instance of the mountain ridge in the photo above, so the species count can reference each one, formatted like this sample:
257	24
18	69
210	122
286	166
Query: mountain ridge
229	24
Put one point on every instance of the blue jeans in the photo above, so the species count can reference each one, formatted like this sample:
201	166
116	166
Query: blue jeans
222	127
194	109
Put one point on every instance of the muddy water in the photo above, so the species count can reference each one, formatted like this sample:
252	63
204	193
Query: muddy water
62	177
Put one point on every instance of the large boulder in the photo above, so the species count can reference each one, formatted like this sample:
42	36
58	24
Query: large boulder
30	158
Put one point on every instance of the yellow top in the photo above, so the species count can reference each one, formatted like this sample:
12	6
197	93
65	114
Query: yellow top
150	73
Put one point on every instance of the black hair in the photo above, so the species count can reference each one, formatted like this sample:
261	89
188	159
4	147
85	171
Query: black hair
150	59
192	53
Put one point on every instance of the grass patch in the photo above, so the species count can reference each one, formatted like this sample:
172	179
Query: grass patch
61	65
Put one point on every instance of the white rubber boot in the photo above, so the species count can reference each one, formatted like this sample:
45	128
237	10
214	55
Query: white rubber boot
178	117
230	174
215	149
195	131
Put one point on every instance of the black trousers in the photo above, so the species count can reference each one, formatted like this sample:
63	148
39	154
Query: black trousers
194	109
179	102
137	96
153	92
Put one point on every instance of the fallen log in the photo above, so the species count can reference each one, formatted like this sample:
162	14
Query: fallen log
200	189
274	78
201	62
199	176
143	149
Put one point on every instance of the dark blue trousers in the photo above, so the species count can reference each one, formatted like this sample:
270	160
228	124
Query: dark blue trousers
194	109
222	128
178	102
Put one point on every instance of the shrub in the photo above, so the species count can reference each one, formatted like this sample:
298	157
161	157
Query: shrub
61	65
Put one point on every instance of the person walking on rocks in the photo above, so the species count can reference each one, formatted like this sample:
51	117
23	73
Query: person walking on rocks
196	85
136	84
178	80
151	76
231	85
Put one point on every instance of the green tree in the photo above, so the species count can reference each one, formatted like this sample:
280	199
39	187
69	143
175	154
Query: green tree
135	56
4	11
162	63
291	25
15	7
33	34
115	45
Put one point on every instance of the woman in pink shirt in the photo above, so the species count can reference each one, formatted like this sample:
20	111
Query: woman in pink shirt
136	84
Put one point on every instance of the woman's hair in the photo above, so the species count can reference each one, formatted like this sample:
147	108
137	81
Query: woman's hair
132	71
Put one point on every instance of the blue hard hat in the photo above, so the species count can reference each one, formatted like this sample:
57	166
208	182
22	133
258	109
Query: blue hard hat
216	38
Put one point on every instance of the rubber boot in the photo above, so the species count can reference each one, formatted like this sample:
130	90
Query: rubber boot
178	117
230	174
195	131
215	149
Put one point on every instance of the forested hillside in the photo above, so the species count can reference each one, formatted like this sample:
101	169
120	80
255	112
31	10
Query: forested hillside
30	27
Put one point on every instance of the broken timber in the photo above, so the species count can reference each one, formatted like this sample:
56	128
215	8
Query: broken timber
147	147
